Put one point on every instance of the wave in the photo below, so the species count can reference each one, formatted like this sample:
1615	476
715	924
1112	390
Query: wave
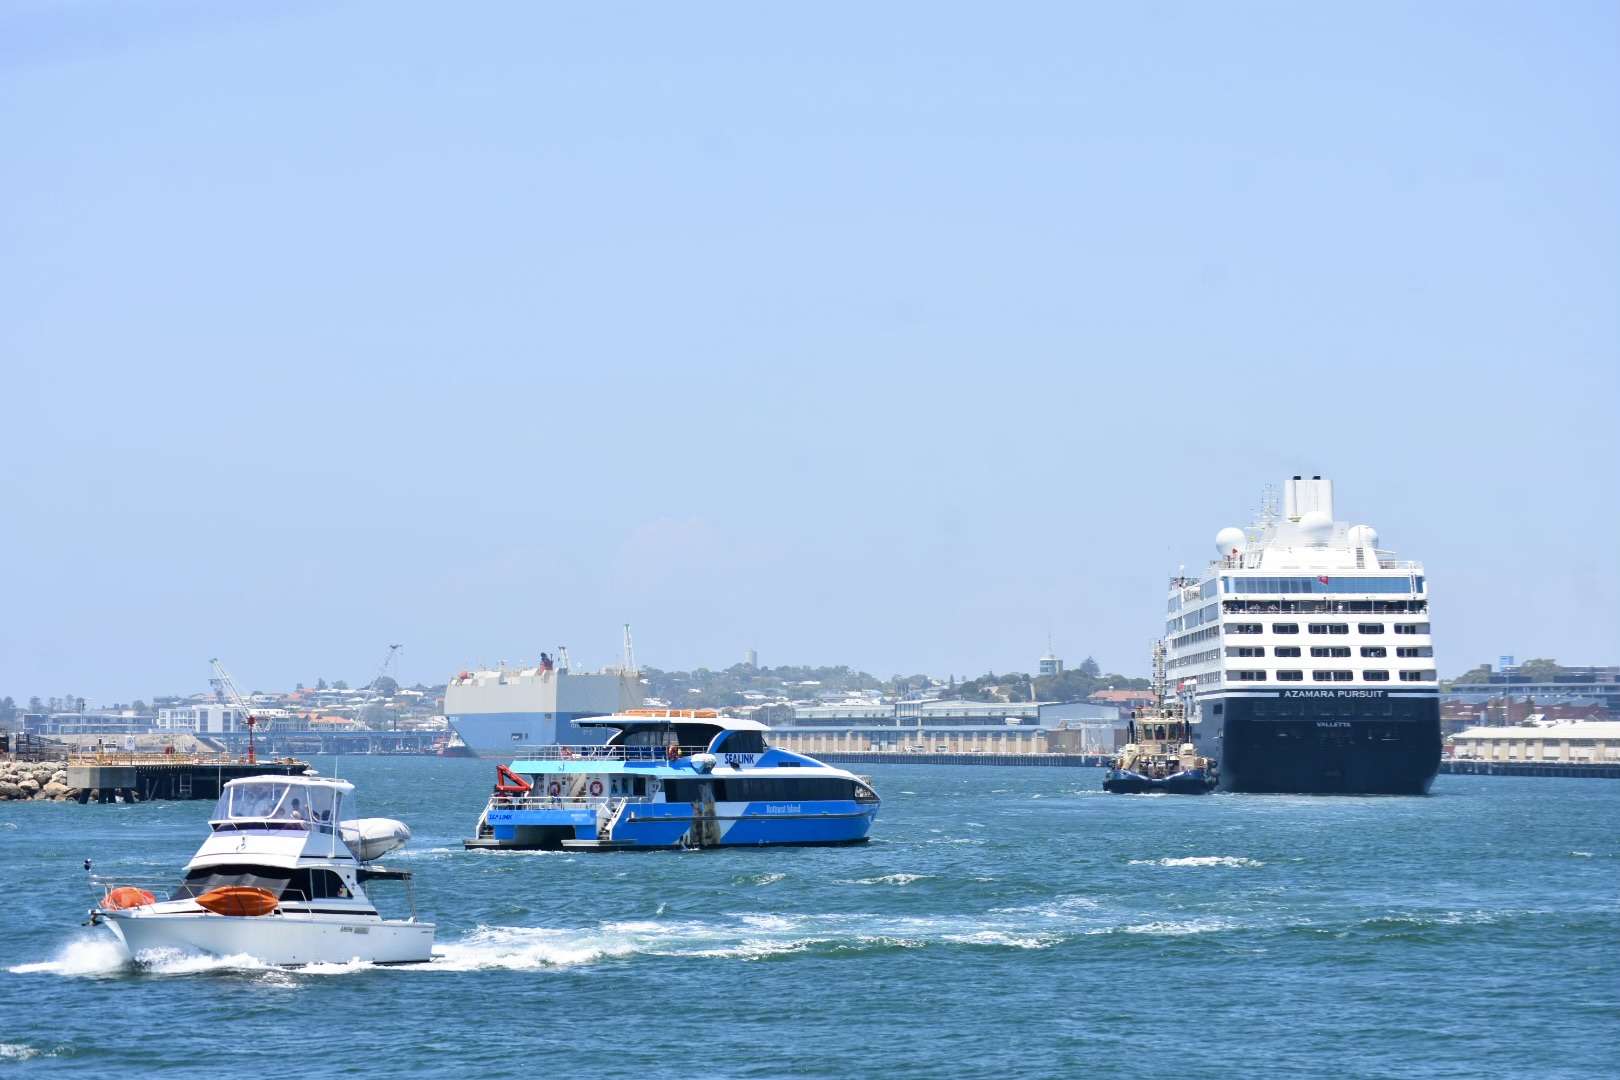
79	957
886	879
1235	861
1176	929
22	1052
762	879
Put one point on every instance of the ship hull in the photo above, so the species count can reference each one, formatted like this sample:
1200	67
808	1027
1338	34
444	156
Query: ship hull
496	734
1323	742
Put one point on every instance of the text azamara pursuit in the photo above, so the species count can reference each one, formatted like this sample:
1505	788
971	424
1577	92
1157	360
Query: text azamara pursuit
1303	656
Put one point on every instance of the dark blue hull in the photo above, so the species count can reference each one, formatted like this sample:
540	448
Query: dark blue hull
1322	742
1123	782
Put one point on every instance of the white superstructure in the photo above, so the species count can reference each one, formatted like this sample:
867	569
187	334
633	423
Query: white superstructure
1301	607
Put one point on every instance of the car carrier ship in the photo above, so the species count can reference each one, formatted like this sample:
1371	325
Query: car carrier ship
497	709
1303	655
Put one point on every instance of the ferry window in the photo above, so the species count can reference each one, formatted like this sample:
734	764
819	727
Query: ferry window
1371	628
1330	650
1286	650
743	742
1374	650
1290	676
1285	628
1414	650
1375	676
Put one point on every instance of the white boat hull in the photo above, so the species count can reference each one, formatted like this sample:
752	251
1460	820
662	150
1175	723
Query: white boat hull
281	940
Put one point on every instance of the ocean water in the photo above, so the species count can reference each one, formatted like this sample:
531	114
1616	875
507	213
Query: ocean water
1002	922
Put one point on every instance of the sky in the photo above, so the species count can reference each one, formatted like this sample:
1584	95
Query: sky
903	336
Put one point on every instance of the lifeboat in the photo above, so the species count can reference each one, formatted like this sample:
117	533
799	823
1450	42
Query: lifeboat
238	900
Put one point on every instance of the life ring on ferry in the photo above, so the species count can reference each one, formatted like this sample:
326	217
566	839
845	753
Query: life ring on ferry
554	790
596	788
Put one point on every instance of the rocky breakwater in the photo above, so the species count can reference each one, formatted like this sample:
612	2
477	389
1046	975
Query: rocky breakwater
35	781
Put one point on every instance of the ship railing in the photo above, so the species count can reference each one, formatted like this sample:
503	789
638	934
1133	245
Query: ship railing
599	752
548	802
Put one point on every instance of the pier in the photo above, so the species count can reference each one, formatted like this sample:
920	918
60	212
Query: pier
1588	769
112	777
882	757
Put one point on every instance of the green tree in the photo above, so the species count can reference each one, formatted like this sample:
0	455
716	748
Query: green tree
340	685
320	684
1089	666
1541	669
386	685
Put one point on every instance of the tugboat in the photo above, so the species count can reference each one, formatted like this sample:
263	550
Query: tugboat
1160	755
280	879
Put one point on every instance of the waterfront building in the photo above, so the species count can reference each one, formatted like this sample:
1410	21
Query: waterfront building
1593	742
953	727
1572	685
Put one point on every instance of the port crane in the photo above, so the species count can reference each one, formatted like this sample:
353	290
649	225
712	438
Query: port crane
226	686
382	669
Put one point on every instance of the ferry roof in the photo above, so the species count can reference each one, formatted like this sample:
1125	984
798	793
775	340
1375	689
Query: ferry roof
627	721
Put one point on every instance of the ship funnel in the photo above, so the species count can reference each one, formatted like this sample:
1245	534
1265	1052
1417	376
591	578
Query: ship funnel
1302	496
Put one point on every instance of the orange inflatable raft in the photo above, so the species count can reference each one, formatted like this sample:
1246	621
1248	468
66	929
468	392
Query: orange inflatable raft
126	896
238	900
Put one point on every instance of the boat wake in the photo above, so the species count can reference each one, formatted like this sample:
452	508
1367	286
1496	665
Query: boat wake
79	957
1235	861
22	1052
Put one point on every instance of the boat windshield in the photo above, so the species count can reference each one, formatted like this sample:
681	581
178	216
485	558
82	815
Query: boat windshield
278	800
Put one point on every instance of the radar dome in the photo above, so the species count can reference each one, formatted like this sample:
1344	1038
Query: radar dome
1229	540
1364	536
1316	526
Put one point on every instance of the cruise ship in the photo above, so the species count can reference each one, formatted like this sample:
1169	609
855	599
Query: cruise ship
496	709
1303	655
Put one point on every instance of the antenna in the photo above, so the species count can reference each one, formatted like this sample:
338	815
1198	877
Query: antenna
629	653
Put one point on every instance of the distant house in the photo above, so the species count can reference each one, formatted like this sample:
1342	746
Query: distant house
1125	699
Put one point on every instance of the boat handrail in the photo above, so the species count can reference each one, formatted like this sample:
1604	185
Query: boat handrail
549	802
599	752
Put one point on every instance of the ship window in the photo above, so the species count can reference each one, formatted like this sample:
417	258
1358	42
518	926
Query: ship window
1286	650
743	742
1243	628
1371	628
1246	650
1285	628
1290	676
1330	650
269	878
1374	651
1417	676
1414	650
315	884
1246	676
1412	628
1329	628
1375	676
1332	676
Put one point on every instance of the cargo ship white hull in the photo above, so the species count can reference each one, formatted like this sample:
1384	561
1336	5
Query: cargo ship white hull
496	710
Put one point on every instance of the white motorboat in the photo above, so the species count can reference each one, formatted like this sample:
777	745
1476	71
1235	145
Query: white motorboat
281	879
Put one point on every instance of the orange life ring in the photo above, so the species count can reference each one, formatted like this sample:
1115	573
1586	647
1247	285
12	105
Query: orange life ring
126	896
596	788
555	789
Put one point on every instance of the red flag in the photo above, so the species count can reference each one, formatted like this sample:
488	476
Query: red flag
1323	579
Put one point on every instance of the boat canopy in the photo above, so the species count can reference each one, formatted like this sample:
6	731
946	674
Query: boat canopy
310	800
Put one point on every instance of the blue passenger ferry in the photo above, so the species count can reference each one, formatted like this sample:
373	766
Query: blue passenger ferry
668	778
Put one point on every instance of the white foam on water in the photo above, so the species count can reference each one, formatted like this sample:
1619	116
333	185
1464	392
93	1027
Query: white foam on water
766	879
180	962
1581	854
22	1052
886	879
1235	861
1003	938
519	948
1176	929
82	956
